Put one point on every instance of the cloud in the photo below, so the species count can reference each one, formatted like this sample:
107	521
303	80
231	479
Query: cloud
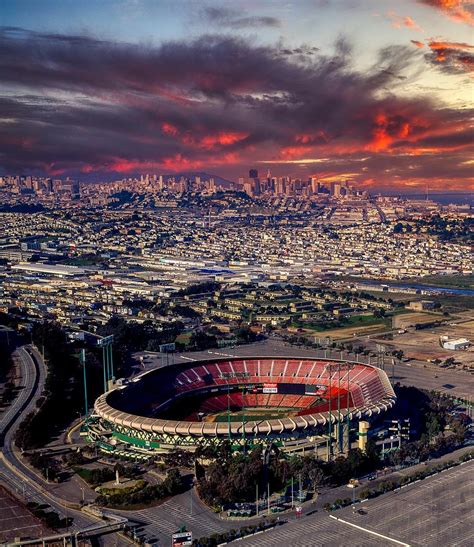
233	18
451	57
399	21
417	43
461	11
78	104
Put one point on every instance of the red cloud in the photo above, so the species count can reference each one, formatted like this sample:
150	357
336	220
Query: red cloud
259	104
294	152
169	129
223	139
417	43
460	11
399	21
210	142
307	138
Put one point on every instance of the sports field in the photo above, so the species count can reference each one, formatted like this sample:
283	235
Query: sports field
252	414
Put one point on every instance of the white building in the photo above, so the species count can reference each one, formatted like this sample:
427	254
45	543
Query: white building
458	344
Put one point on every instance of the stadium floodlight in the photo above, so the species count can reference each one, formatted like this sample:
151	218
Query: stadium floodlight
107	359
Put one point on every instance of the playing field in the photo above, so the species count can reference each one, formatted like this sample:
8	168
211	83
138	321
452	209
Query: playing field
251	414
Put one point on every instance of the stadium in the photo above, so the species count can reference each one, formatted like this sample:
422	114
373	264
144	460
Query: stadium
293	403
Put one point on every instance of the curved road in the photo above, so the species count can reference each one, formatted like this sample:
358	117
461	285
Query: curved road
16	475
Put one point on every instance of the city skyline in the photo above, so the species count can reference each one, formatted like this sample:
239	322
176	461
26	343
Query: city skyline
113	89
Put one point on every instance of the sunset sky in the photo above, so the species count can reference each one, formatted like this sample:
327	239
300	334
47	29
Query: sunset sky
373	91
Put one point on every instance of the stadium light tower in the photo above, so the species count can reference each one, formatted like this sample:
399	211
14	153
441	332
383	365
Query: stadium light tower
82	357
107	359
228	376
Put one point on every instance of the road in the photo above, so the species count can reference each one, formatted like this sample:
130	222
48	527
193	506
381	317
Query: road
159	523
13	473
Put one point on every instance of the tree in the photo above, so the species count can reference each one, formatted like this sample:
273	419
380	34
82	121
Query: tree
200	341
316	477
398	354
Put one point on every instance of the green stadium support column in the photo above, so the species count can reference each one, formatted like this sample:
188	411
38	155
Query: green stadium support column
347	437
228	411
111	362
339	424
243	423
86	403
330	416
104	367
107	365
107	360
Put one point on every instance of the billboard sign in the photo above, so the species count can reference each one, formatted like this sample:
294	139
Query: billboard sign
167	348
315	389
181	539
270	388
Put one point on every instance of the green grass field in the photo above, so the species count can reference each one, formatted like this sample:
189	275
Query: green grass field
252	414
353	321
448	281
184	338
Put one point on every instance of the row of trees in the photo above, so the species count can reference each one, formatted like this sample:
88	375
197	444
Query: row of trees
7	394
63	394
50	518
387	486
233	478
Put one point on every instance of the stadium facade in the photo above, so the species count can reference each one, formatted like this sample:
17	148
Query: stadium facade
292	403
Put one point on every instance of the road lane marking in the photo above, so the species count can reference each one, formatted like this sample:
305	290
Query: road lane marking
369	531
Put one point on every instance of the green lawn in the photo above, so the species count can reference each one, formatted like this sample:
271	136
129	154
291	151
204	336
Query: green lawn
355	321
448	281
253	415
184	338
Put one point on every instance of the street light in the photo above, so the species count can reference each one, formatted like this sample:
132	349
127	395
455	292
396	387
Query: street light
353	484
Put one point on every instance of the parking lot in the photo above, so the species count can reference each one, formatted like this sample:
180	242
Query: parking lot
16	520
436	511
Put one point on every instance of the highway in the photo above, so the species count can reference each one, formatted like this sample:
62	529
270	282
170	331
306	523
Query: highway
12	471
14	474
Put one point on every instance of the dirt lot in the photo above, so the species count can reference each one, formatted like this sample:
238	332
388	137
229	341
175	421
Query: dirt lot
348	332
411	319
425	344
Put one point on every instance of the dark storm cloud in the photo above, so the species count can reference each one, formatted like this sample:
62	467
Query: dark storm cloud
233	18
85	104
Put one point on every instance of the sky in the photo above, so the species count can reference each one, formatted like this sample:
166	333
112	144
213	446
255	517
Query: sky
376	92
